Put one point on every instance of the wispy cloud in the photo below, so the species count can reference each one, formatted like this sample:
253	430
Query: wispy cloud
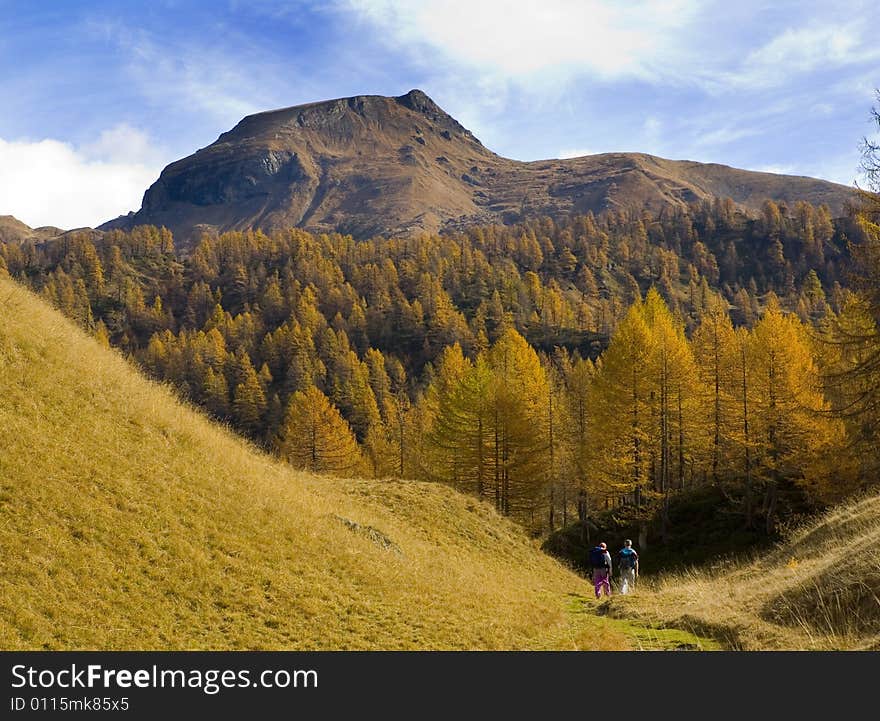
522	41
705	44
202	79
777	169
575	152
796	51
224	80
724	136
50	182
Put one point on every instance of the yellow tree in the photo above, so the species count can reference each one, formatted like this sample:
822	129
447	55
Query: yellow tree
647	404
790	423
517	411
857	331
380	450
387	445
620	397
578	382
715	347
314	436
743	392
674	396
216	393
101	333
437	409
248	399
461	397
561	451
578	431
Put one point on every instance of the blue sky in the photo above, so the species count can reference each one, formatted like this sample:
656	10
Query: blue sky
97	96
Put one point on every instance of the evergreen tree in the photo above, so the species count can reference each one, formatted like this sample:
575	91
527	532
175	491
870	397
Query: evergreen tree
714	344
520	455
249	401
790	423
621	398
216	393
315	437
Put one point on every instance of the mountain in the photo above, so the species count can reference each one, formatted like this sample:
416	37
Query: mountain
371	165
12	230
129	520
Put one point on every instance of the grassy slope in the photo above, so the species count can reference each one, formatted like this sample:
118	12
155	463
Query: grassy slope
818	590
128	520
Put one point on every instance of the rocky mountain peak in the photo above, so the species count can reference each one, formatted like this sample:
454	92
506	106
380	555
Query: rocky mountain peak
371	164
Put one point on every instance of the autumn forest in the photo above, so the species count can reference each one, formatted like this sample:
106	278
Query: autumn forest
546	367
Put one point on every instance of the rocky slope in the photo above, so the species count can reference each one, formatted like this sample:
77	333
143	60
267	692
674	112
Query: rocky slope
372	164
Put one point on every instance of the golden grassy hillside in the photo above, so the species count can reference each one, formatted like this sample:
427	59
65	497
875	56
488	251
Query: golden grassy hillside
818	590
130	521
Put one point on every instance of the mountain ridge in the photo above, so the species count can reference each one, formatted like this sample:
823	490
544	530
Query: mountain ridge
371	164
13	230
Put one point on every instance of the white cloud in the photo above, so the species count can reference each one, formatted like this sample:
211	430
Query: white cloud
575	152
777	169
804	50
822	109
123	143
653	134
725	136
518	40
542	46
49	182
652	126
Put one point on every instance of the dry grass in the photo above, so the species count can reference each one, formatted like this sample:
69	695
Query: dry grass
820	590
129	521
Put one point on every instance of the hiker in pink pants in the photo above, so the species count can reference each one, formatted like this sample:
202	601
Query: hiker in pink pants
600	560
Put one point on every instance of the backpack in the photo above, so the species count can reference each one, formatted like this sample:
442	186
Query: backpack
628	558
597	558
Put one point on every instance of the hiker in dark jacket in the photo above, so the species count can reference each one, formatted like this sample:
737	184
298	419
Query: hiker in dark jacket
600	560
628	562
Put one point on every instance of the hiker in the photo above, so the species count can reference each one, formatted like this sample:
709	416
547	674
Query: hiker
600	560
628	561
